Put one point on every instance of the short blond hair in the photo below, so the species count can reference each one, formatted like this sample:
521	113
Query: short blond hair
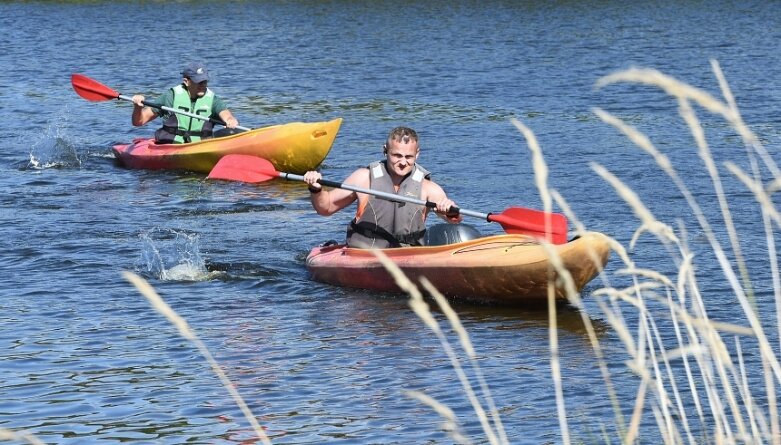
402	134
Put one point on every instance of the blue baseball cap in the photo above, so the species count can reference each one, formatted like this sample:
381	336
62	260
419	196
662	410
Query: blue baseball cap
196	72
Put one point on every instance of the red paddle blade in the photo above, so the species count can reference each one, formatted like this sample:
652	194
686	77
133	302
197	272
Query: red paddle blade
92	89
533	222
243	168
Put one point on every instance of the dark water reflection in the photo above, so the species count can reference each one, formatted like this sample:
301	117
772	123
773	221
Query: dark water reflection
84	357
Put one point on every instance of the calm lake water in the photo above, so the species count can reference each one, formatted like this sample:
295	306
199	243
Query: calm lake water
84	358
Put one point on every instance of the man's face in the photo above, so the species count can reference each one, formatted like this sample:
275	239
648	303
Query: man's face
196	89
402	156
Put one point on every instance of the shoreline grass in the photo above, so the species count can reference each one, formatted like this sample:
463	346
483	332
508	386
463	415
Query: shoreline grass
715	380
704	368
692	382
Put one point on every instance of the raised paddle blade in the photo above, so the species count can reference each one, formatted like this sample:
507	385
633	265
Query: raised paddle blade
243	168
91	89
533	222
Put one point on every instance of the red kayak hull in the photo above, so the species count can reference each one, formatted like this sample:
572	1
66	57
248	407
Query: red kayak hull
505	269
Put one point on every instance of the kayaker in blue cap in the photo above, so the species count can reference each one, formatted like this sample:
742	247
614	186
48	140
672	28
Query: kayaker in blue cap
380	223
193	96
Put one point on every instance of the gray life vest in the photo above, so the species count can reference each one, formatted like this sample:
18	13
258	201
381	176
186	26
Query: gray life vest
382	223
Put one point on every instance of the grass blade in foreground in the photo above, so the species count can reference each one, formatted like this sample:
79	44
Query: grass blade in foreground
184	330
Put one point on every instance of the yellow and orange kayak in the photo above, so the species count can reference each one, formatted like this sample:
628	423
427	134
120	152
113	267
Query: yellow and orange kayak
504	269
296	147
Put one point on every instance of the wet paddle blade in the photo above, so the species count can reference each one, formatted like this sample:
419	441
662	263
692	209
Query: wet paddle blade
533	222
91	89
243	168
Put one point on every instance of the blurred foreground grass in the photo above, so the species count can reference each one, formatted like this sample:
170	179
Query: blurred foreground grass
710	400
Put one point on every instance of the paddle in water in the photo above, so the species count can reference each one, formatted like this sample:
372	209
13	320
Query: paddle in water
94	91
521	220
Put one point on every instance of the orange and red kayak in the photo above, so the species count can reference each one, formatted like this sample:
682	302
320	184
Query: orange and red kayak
504	269
296	147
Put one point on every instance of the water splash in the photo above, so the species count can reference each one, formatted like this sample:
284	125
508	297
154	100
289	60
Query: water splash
173	255
53	148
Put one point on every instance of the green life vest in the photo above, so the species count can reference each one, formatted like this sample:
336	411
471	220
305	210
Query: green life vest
184	128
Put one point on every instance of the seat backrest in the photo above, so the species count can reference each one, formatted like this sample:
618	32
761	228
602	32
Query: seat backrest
440	234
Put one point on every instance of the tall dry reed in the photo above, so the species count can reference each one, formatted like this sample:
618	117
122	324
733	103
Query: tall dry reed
697	388
694	390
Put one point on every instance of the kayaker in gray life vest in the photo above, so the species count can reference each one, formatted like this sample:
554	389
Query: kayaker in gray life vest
192	96
380	223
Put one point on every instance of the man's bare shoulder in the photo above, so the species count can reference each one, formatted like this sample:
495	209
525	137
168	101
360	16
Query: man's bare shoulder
431	191
359	177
